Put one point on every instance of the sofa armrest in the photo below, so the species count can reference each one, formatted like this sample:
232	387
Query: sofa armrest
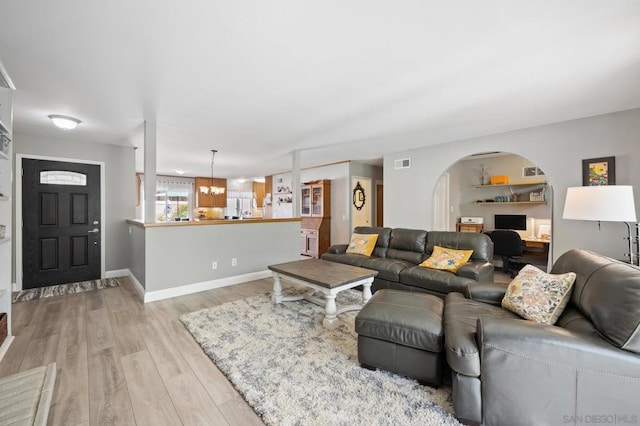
477	270
338	248
491	293
530	370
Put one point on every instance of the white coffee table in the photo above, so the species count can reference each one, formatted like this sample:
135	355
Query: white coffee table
324	277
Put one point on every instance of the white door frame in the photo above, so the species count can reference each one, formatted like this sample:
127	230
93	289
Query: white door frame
18	213
441	200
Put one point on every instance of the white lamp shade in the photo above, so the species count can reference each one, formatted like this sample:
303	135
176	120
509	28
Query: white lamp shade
606	203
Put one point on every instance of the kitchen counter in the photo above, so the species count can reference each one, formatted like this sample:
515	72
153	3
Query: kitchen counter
177	258
200	222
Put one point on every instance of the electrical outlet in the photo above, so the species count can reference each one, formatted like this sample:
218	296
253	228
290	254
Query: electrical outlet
234	262
214	265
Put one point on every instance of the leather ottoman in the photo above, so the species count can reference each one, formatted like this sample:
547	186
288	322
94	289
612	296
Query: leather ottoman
401	332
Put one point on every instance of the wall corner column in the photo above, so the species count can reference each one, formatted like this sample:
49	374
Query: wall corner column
150	136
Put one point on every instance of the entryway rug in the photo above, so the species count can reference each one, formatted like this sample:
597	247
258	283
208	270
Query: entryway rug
62	289
293	371
25	397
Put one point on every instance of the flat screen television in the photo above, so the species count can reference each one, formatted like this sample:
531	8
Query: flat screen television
510	221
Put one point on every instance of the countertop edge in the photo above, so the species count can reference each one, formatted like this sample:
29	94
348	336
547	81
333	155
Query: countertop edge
212	222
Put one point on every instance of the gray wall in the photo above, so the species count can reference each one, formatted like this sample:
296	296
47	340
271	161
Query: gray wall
119	186
557	148
181	255
138	251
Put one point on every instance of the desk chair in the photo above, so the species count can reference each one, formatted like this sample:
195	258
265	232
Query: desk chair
509	247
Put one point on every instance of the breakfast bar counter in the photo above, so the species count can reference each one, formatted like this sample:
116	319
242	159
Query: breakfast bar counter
176	258
201	222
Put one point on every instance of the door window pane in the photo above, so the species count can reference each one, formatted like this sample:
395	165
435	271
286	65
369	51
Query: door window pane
63	177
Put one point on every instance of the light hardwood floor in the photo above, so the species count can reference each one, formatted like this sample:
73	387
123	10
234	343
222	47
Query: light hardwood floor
121	362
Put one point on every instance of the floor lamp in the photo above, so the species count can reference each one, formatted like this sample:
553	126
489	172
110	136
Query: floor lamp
607	203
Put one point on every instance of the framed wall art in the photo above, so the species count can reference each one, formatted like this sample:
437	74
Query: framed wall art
599	171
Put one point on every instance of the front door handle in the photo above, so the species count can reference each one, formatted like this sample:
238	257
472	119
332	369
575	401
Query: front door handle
94	231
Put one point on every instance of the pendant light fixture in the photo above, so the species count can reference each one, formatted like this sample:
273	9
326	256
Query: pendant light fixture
212	189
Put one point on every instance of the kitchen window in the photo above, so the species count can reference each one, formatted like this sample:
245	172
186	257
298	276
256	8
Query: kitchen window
174	198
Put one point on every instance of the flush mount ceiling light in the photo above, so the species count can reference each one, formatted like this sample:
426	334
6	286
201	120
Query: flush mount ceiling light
64	122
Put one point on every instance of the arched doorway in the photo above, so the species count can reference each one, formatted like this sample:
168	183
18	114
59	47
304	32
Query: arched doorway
519	197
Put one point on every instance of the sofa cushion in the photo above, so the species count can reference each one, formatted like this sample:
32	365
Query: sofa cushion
538	296
447	259
362	244
388	269
608	293
460	323
480	243
407	244
384	235
434	280
346	258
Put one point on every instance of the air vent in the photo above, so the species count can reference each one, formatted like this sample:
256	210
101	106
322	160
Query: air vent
405	163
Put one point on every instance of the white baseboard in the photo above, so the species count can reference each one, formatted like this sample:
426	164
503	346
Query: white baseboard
152	296
117	273
137	285
5	346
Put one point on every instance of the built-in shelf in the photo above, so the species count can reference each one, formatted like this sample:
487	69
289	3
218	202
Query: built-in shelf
493	203
511	184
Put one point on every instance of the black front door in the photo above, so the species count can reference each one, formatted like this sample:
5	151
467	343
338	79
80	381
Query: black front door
61	222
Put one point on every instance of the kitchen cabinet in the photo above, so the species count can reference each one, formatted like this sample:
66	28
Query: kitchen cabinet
309	242
208	200
315	210
6	170
315	200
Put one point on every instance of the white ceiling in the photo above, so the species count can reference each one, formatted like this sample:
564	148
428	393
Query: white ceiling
337	80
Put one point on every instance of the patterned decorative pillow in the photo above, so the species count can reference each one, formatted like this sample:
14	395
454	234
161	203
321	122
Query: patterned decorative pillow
447	259
362	244
538	296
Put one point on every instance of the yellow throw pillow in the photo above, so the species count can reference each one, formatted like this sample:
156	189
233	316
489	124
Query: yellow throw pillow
538	296
362	244
447	259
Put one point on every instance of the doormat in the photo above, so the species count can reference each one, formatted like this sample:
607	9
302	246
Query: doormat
25	397
62	289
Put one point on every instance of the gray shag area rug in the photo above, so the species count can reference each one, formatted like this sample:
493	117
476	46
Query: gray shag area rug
62	289
293	371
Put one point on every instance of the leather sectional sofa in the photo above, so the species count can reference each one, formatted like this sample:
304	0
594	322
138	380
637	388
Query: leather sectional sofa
399	251
584	369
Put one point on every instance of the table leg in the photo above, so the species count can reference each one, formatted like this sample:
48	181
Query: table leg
276	297
330	312
366	292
